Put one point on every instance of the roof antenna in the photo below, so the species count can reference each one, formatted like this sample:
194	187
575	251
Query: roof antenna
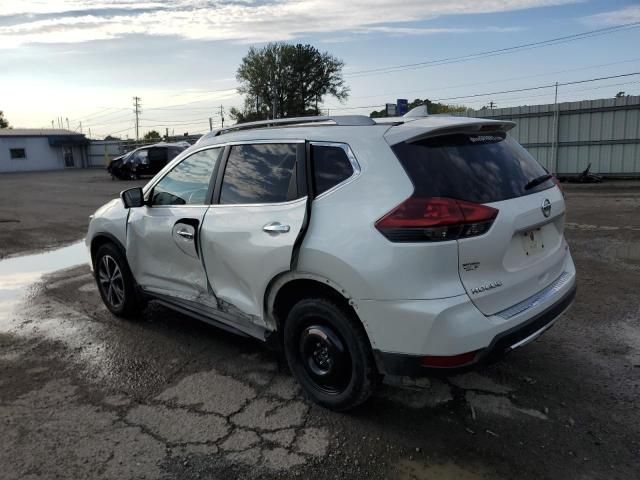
417	112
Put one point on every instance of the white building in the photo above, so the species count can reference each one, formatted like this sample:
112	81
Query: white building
27	149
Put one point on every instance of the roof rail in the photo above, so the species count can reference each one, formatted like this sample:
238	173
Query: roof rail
340	120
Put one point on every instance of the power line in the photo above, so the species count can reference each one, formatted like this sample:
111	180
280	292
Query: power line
538	87
500	80
391	69
99	113
174	124
495	52
175	121
550	94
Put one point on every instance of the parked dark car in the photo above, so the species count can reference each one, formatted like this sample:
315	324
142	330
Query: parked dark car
147	160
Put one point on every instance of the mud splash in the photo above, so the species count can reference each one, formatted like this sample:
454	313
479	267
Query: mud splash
17	274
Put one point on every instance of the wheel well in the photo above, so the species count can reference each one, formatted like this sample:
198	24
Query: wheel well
100	240
295	290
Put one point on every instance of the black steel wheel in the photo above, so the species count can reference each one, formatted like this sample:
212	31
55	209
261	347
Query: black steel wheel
325	358
329	353
115	281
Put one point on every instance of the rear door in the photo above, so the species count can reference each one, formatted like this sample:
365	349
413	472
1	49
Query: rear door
249	235
524	249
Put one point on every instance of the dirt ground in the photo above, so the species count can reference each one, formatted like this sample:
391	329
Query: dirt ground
47	209
86	395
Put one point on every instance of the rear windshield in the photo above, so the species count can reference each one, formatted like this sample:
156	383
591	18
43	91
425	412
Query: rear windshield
476	168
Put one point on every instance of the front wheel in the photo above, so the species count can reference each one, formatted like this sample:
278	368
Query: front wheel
329	354
115	281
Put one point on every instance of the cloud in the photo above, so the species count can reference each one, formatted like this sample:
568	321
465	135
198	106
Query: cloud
402	31
615	17
56	21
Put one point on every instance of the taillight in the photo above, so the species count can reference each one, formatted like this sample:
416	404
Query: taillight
556	180
435	219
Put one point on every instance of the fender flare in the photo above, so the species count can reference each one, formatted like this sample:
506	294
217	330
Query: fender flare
283	279
112	238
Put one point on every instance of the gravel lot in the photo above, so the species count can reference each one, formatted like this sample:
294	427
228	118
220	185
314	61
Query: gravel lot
86	395
47	209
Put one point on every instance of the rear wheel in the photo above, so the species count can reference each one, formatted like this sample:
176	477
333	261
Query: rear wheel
329	354
115	281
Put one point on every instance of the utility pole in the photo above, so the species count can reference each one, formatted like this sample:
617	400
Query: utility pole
137	110
52	125
80	127
492	105
210	124
222	115
89	133
166	134
554	140
67	118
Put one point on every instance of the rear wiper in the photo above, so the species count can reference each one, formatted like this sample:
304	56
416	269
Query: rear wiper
537	181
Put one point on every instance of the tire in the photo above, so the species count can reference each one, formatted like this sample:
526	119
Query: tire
329	354
112	270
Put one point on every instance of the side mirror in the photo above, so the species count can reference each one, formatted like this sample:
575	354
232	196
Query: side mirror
132	198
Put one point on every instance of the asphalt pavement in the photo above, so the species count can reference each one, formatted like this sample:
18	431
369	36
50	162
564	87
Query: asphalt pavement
86	395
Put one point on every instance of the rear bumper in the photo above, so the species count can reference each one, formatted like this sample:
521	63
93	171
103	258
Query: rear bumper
411	365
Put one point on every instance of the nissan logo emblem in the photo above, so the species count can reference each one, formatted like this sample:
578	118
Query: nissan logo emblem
546	207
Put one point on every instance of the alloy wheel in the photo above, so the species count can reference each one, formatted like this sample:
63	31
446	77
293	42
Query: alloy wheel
111	281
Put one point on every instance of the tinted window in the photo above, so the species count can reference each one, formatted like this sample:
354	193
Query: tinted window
261	173
330	167
188	182
476	168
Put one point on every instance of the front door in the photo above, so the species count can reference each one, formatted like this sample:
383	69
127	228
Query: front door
248	236
163	237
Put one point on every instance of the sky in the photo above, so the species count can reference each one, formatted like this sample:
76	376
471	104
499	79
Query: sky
84	61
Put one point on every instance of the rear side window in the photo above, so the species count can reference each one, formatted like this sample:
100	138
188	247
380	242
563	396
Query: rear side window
260	173
331	166
476	168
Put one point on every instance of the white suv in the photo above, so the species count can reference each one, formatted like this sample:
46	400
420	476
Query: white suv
361	248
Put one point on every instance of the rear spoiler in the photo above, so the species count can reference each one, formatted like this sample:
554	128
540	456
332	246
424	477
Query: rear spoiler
420	129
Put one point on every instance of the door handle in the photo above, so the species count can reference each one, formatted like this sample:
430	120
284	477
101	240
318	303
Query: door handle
276	227
185	234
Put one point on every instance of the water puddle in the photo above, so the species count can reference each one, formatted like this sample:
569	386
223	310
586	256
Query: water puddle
415	470
18	273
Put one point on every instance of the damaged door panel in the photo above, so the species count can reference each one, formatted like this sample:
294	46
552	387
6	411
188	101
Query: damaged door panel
162	250
248	235
163	236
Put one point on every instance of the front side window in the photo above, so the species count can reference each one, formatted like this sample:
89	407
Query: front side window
17	153
331	166
188	182
260	173
141	157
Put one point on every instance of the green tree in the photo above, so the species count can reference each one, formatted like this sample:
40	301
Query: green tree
284	80
4	123
152	135
432	108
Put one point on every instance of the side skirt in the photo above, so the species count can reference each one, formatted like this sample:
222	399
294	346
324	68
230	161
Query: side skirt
205	314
